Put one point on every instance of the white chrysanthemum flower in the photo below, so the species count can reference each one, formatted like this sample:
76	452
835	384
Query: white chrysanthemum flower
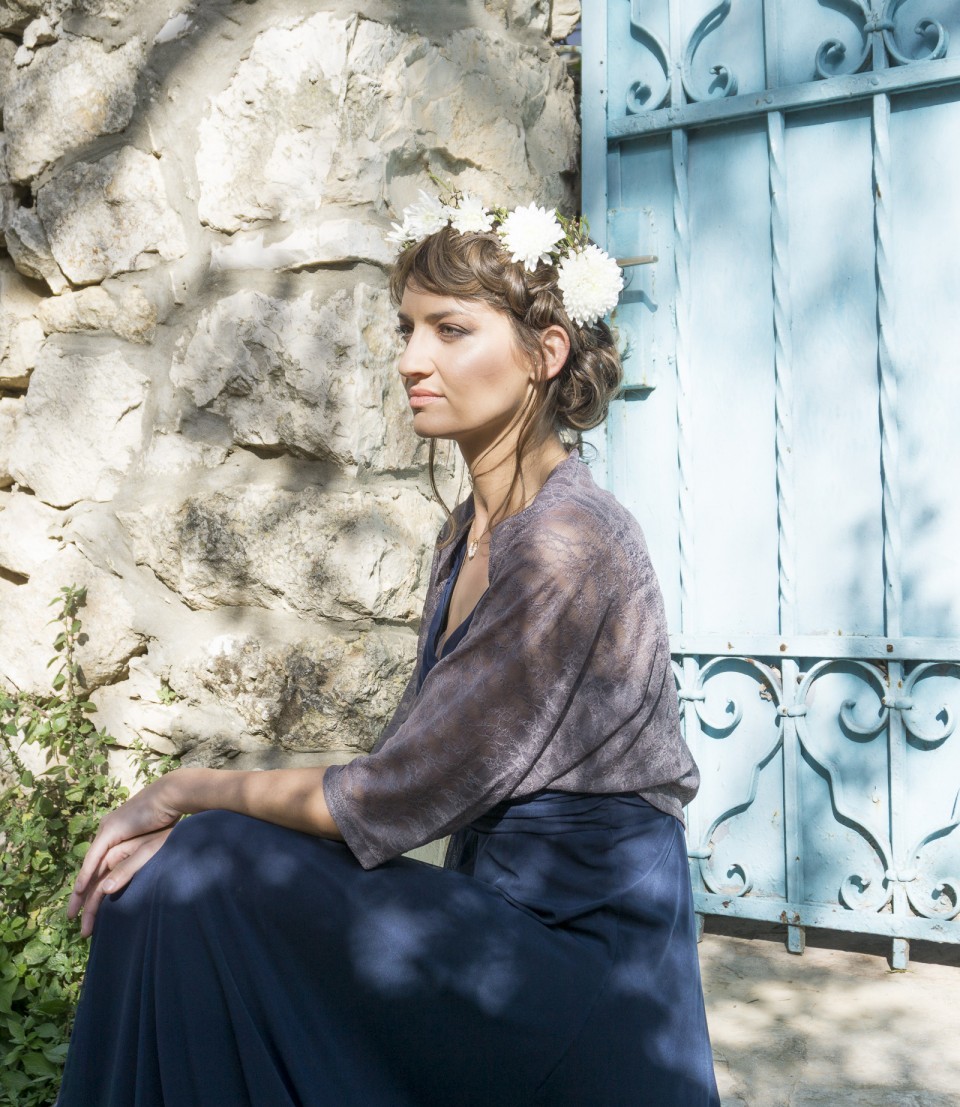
426	216
530	234
590	282
399	235
470	216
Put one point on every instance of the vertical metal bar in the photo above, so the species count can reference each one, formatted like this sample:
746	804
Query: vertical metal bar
594	164
681	258
681	254
786	506
887	369
681	247
692	733
890	481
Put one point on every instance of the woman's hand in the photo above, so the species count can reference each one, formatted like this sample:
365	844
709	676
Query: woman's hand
128	837
131	835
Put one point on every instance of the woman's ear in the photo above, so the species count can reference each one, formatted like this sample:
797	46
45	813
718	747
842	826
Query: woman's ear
555	344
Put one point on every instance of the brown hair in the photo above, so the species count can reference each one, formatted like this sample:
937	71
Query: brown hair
477	267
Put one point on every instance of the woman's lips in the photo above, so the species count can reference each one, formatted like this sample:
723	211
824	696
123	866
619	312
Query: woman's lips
421	399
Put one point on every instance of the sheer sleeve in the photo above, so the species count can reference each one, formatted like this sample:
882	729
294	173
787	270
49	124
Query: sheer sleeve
541	657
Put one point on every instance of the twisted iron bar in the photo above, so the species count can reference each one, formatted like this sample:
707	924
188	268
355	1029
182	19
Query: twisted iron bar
681	228
889	385
783	372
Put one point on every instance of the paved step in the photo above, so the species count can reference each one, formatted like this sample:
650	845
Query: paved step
833	1027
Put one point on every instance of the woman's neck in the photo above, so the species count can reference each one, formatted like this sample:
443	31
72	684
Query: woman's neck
492	477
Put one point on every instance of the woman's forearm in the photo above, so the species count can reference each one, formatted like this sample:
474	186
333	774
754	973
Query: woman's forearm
288	797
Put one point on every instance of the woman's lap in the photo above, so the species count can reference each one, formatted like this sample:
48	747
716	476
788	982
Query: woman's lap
247	963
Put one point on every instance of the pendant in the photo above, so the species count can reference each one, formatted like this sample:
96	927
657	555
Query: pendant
472	548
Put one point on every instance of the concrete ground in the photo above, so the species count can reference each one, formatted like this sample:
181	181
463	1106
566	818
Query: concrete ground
834	1026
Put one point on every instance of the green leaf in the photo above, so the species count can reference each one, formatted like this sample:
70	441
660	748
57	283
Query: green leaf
13	1080
46	1030
37	1065
35	952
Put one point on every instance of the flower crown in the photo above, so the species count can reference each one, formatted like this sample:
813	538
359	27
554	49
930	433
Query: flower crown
590	281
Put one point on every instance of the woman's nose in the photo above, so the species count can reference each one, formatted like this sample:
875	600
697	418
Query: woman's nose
414	361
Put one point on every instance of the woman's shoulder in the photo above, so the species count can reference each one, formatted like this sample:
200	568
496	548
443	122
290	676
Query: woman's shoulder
576	502
573	518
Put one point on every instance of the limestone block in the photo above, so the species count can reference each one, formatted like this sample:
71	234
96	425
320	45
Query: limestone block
21	335
30	533
110	216
267	141
26	637
16	14
70	94
131	711
39	32
112	10
488	114
80	427
319	692
7	49
317	379
173	453
531	14
564	16
334	241
345	555
9	414
121	309
29	247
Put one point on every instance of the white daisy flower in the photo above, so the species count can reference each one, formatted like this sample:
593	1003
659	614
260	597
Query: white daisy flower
426	216
530	234
590	282
399	235
470	215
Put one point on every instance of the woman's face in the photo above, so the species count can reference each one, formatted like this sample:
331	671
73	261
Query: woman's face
464	375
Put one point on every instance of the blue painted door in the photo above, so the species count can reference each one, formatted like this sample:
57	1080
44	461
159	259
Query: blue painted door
790	432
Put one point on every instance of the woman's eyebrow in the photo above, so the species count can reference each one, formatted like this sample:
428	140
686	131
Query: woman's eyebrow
434	316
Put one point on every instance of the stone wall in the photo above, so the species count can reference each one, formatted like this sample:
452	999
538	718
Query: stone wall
200	419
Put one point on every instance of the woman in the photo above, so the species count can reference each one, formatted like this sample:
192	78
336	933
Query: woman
277	950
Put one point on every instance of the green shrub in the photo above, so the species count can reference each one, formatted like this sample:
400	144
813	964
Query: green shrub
46	822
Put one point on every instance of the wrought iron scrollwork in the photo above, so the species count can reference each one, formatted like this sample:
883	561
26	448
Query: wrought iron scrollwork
857	891
725	82
641	96
887	877
944	716
879	17
703	852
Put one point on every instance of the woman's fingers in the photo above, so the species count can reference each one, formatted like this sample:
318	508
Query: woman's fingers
120	865
109	861
146	812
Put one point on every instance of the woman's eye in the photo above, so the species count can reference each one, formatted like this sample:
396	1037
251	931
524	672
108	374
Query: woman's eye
448	330
403	332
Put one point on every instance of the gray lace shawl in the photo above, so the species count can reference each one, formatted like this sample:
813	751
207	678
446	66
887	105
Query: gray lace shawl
563	681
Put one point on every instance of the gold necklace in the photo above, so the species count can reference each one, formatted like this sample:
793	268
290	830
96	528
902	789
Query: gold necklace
474	544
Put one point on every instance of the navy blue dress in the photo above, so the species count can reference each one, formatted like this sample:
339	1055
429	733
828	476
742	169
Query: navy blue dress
551	962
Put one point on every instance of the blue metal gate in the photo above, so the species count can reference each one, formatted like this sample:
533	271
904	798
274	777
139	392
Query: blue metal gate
790	432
